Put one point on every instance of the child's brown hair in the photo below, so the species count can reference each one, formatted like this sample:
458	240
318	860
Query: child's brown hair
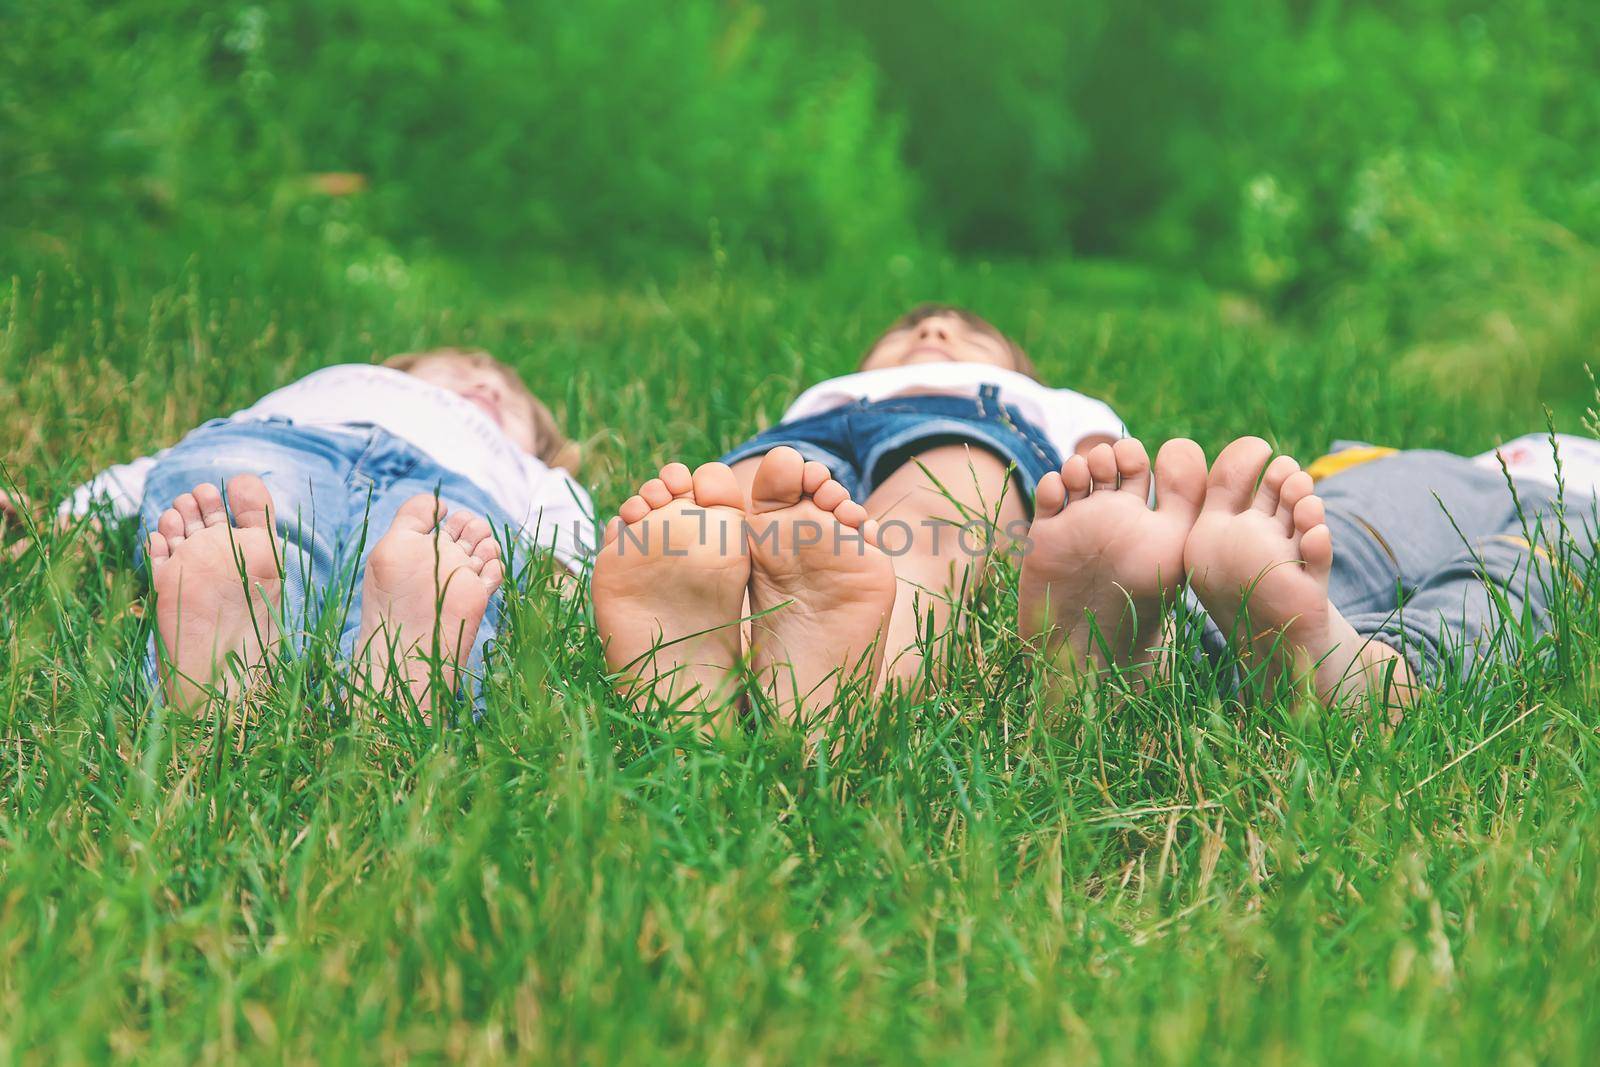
1019	359
550	444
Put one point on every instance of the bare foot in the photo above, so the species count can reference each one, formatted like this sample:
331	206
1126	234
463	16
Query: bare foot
427	585
1100	569
669	586
1259	558
821	589
217	587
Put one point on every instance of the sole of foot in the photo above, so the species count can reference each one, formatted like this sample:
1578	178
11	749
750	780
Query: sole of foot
669	588
427	585
217	584
1259	557
1101	563
821	588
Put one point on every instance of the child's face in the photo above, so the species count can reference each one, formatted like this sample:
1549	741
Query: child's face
487	388
939	339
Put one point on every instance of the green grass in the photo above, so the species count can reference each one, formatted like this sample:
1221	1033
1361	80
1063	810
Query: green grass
980	875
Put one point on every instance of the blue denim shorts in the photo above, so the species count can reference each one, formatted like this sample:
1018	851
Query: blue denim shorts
865	442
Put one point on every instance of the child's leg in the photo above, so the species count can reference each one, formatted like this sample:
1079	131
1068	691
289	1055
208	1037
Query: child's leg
669	588
938	539
427	582
231	577
821	590
218	587
1432	559
1101	565
938	516
1471	606
426	570
1259	558
942	506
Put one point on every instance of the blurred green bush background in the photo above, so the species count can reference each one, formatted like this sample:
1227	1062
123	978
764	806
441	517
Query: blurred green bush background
1275	143
1396	161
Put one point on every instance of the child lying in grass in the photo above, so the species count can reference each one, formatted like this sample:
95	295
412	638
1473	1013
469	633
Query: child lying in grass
869	507
1374	571
399	474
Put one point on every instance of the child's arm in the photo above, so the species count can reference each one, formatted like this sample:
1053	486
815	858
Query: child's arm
118	488
20	518
14	509
115	491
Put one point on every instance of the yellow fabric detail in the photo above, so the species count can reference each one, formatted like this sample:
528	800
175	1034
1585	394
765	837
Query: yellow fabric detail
1522	542
1330	465
1544	554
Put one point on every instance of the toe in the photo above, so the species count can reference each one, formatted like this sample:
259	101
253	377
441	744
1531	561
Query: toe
477	531
814	476
677	479
486	549
1180	478
716	486
850	514
157	549
1103	467
1234	475
1309	513
1316	549
1075	474
208	498
633	509
778	481
1048	497
420	514
1296	488
612	532
1271	487
1133	466
171	527
493	573
189	511
830	494
250	501
455	525
656	493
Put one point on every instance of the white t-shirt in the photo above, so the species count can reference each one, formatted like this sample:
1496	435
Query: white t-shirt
1533	458
1063	416
553	510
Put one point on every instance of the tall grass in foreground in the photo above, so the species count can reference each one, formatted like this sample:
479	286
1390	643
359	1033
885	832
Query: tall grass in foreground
977	875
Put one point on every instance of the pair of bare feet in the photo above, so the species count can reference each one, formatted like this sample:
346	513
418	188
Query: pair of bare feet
689	563
218	584
1249	538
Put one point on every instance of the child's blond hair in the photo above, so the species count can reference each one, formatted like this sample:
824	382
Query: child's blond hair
550	444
